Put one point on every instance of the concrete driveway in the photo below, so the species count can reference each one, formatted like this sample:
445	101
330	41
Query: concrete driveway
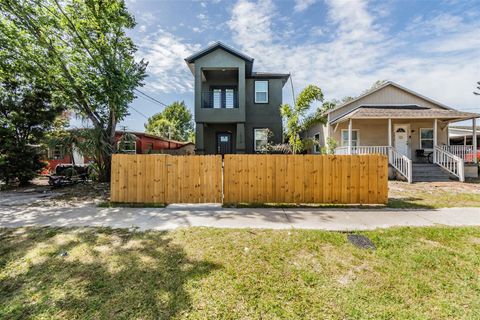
213	215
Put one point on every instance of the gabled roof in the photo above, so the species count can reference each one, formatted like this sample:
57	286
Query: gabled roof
215	46
190	60
391	83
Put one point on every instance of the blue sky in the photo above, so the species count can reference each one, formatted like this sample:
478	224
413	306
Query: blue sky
343	46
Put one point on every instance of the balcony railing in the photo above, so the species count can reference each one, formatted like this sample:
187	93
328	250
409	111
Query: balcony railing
220	99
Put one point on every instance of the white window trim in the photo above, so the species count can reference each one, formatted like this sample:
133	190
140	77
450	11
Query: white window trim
317	145
255	90
219	105
255	139
51	152
358	137
420	138
134	151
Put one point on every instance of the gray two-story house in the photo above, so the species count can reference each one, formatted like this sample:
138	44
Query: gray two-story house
236	110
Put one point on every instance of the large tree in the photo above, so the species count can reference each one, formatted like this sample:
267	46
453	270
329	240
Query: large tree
26	113
80	48
294	116
174	122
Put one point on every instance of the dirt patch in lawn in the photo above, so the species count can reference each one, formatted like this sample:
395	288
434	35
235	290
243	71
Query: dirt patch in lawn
434	194
41	194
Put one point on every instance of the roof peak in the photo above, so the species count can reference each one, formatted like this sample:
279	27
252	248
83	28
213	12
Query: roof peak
218	45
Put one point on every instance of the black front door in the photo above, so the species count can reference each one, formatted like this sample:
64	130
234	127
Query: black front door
224	143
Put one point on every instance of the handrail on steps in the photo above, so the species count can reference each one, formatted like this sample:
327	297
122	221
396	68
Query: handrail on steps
450	162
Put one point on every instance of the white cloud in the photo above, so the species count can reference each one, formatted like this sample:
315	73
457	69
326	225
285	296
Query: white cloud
317	31
302	5
362	51
167	69
438	57
251	23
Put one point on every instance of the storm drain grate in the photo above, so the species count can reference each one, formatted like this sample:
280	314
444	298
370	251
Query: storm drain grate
361	241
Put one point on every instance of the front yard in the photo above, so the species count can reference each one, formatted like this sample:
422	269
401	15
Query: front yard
433	195
426	195
203	273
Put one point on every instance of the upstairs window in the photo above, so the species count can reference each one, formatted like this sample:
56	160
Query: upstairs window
229	98
217	98
261	91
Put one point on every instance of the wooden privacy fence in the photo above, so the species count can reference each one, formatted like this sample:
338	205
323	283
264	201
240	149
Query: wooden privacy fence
343	179
166	179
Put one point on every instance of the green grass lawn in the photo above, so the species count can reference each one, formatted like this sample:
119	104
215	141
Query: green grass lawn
199	273
439	199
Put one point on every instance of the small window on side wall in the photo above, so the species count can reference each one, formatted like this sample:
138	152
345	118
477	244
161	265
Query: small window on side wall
260	139
261	91
316	146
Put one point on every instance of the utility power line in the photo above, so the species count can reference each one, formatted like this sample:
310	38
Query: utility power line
151	98
140	113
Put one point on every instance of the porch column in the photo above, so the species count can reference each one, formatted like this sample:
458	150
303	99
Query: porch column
389	132
448	133
474	139
434	139
350	136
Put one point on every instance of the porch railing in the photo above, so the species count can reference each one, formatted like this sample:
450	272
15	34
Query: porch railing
399	161
363	150
466	153
450	162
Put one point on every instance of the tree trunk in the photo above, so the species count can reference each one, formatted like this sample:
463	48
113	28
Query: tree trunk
108	140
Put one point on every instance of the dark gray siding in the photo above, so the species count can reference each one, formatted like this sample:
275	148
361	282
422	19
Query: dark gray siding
263	115
210	135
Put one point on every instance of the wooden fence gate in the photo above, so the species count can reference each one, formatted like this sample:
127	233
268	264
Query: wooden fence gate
349	179
342	179
166	179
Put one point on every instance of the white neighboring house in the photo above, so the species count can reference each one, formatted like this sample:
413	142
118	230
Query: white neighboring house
410	128
462	135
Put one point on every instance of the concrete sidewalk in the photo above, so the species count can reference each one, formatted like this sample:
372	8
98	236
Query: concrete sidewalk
175	216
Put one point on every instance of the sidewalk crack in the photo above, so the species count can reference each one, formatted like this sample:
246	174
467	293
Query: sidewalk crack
287	217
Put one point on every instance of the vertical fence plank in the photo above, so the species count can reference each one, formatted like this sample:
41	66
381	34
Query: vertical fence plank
269	180
281	177
355	179
372	177
345	176
363	192
382	196
114	184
